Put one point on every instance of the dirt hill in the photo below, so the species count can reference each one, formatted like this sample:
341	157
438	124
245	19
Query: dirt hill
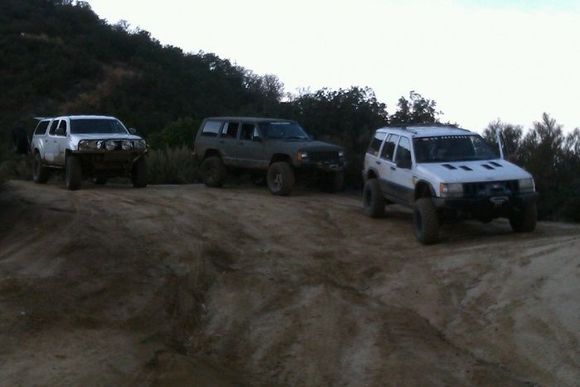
173	285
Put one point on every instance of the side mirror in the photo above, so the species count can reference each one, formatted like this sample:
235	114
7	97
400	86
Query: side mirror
60	132
132	130
404	163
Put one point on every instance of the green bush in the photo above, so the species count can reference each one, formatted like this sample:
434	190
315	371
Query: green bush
172	166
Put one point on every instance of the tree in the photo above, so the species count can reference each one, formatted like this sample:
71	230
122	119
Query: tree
512	138
416	110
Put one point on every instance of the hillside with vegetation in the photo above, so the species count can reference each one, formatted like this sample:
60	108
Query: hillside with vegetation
58	57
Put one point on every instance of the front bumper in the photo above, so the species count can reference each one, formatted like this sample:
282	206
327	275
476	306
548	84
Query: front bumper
487	206
324	166
109	161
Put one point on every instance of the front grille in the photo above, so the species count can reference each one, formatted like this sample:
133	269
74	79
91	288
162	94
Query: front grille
323	156
490	188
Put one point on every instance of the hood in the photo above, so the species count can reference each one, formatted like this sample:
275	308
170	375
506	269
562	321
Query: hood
473	171
307	145
75	138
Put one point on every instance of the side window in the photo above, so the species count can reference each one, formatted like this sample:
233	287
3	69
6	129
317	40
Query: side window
41	128
61	128
211	128
375	144
53	127
230	130
248	132
389	147
403	155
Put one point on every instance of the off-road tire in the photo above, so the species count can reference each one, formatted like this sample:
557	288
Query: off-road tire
373	199
524	220
73	173
280	178
213	172
139	173
426	221
100	180
39	171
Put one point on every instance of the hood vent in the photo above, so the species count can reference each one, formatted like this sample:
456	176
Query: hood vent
449	166
465	168
489	167
496	164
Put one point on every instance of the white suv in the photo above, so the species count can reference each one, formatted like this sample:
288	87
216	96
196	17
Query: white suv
445	173
87	146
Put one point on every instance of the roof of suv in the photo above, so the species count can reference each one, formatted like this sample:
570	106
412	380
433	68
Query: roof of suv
77	117
253	119
427	131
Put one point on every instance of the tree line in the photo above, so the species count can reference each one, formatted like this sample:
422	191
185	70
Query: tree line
59	58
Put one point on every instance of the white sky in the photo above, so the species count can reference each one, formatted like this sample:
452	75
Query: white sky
479	60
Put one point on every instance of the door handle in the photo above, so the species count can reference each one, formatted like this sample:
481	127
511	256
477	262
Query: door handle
393	168
378	162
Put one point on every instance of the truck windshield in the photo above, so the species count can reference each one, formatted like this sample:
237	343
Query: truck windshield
452	148
98	125
283	130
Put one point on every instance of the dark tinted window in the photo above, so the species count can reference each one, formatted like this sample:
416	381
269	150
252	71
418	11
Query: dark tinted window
41	128
283	130
248	131
389	147
403	151
375	144
96	125
53	127
452	148
211	128
230	130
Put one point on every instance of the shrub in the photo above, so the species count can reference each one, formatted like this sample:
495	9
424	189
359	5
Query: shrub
172	166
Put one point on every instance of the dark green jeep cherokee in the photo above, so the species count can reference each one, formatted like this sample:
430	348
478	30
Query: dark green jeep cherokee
278	148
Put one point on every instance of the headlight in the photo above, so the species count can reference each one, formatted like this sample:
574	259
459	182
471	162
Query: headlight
88	145
111	145
340	153
139	144
301	156
451	190
126	145
527	185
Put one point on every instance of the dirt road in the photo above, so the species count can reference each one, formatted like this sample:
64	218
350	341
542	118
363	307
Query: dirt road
173	285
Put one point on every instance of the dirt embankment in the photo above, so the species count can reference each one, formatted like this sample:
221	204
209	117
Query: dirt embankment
174	285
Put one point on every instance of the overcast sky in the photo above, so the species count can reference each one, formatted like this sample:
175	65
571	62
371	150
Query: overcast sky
479	60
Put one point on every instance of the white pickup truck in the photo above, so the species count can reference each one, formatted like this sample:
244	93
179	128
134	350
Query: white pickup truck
99	147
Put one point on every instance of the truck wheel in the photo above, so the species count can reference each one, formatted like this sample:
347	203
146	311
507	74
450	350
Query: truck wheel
73	173
139	173
213	171
525	220
426	221
39	171
373	200
280	178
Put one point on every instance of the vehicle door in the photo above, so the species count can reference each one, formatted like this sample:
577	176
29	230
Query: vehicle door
40	135
402	172
386	164
251	148
51	143
228	142
61	141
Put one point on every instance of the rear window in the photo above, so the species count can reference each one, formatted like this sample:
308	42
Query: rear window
211	128
41	128
375	144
